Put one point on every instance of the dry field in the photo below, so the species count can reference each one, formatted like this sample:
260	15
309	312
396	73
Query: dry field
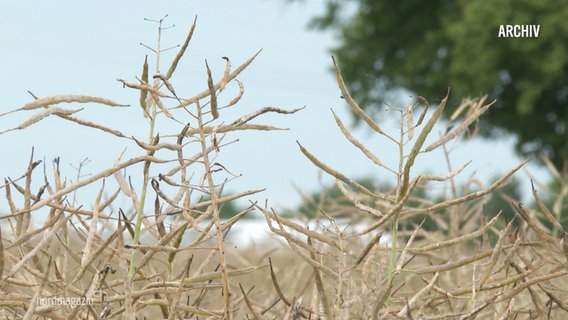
169	254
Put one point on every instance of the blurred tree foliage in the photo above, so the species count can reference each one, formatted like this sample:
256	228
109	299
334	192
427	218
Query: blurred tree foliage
228	209
426	46
332	202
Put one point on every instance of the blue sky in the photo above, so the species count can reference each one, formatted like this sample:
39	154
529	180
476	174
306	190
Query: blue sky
71	47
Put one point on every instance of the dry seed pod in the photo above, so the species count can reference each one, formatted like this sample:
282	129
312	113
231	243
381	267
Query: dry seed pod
42	115
410	122
47	101
212	93
144	93
226	74
166	82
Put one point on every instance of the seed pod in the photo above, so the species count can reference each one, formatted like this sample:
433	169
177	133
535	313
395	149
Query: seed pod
212	93
226	74
410	121
144	93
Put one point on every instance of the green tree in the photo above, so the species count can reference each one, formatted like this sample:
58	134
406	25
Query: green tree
426	46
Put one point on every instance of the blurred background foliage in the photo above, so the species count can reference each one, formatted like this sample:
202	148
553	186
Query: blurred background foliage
427	46
387	48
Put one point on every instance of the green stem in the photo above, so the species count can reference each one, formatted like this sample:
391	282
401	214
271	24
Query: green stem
146	173
142	200
402	186
392	258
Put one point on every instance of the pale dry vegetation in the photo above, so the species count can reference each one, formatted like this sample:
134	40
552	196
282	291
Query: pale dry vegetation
139	262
